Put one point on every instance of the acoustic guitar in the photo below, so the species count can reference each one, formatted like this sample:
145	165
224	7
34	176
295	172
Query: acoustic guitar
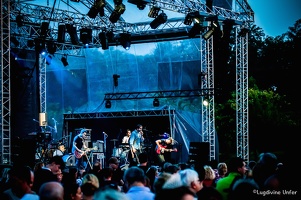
78	154
161	149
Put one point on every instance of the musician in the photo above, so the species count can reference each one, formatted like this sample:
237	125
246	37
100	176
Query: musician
78	148
163	146
125	139
136	142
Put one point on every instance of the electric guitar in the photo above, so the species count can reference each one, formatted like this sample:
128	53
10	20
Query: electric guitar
161	149
78	154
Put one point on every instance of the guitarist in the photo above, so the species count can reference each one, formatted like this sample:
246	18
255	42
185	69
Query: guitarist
162	147
78	149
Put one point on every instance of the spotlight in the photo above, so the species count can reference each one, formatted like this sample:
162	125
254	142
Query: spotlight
61	33
125	40
193	17
117	12
160	19
156	102
140	3
213	27
108	104
40	46
115	78
206	101
104	40
64	60
154	12
97	8
86	35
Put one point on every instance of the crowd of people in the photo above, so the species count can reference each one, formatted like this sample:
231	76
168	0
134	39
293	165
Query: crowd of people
235	179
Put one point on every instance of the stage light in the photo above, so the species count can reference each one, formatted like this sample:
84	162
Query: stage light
115	79
140	3
156	102
160	19
195	30
61	33
86	35
97	8
40	46
117	12
108	104
125	40
193	17
154	12
64	60
103	40
212	29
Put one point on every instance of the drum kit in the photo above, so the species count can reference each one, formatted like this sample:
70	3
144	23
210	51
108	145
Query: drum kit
121	152
47	148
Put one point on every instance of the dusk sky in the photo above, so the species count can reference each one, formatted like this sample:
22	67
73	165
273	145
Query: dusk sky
275	16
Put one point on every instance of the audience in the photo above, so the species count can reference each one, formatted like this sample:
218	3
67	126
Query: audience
51	190
134	178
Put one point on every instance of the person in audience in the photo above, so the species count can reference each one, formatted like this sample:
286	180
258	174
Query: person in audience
72	191
245	189
90	184
117	172
21	182
152	173
222	170
237	170
188	178
264	168
134	178
209	176
106	179
143	161
48	173
51	190
160	181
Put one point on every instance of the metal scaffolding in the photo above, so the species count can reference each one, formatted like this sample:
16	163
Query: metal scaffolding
173	29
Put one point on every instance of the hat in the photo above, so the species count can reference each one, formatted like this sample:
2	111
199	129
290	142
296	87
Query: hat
113	160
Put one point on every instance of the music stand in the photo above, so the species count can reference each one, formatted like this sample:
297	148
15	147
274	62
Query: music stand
88	159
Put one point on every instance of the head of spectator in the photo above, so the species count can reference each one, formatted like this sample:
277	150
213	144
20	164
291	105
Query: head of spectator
51	191
160	181
113	163
134	176
244	189
55	163
90	184
21	180
191	179
209	176
72	191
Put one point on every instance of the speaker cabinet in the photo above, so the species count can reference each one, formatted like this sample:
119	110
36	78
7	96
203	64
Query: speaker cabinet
100	157
100	146
199	153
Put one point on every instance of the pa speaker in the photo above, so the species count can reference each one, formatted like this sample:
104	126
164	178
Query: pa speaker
199	152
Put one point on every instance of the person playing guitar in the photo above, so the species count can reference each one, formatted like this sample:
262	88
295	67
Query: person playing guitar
78	148
162	147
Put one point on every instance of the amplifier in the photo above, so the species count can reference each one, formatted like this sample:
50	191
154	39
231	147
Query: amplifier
100	146
100	157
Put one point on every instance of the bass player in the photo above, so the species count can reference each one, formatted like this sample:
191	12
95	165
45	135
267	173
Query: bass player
78	149
162	147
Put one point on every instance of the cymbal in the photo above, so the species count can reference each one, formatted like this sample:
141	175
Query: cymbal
32	133
114	140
